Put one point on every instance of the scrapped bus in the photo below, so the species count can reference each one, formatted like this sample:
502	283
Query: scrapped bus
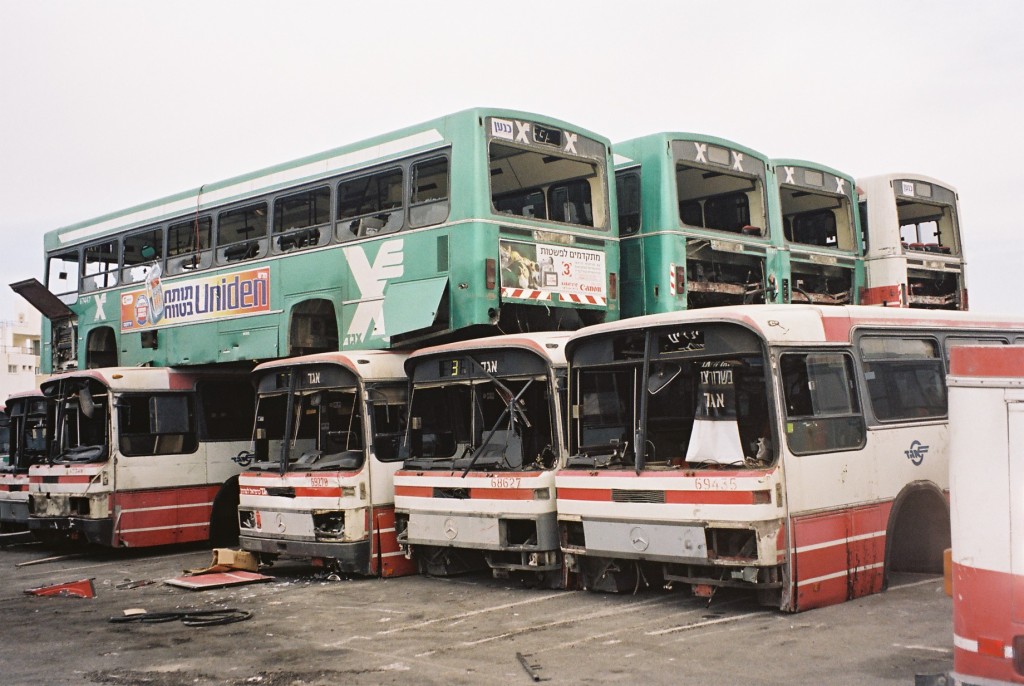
142	456
486	435
821	256
986	481
319	482
914	254
694	219
27	426
480	222
798	451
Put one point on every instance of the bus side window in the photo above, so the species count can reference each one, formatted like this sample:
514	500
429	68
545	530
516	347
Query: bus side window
188	245
370	204
627	192
62	274
101	262
300	219
242	234
822	409
905	377
159	424
142	250
429	201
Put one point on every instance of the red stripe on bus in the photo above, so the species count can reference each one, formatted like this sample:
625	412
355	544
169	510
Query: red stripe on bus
840	524
415	491
318	491
982	613
990	361
69	479
596	494
145	539
166	497
501	493
671	497
148	519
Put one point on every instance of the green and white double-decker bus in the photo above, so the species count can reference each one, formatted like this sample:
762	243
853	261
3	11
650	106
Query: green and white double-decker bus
820	241
695	224
484	221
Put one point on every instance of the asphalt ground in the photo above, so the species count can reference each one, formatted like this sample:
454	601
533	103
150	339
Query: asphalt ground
307	629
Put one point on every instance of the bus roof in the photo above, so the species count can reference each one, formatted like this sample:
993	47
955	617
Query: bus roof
143	378
630	152
548	345
793	162
21	395
800	323
364	364
428	135
887	179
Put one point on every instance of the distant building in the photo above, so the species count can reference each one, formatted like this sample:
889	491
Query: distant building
19	353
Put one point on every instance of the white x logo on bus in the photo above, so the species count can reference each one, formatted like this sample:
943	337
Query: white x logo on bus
100	301
522	128
789	175
570	142
840	185
737	160
702	151
371	281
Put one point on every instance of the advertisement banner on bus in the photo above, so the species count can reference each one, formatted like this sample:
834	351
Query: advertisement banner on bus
195	300
540	271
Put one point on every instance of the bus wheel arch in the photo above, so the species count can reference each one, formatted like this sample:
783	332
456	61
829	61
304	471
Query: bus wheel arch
101	348
918	530
224	516
312	327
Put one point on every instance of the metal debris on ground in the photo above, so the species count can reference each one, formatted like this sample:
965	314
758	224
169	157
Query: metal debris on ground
82	588
188	617
530	668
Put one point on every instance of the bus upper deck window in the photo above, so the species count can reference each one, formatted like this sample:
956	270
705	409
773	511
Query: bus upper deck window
300	218
101	262
242	233
370	204
429	201
188	245
141	251
62	273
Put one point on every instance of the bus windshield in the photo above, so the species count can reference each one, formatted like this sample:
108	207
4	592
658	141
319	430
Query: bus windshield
495	423
82	422
323	432
688	405
5	440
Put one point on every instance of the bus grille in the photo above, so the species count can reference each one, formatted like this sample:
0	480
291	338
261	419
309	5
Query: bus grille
623	496
457	493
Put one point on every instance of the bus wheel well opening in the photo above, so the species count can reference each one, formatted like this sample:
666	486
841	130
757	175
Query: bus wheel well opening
918	531
101	348
312	328
224	516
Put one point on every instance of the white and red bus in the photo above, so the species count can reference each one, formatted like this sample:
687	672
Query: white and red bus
25	435
913	253
986	478
142	456
486	437
320	482
798	451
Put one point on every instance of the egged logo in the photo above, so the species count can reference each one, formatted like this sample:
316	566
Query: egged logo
368	319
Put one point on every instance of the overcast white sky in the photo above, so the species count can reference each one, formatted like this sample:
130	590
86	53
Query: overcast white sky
106	105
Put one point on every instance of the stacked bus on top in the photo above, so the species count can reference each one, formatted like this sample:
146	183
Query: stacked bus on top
798	451
142	456
486	436
914	253
28	426
319	484
705	221
480	222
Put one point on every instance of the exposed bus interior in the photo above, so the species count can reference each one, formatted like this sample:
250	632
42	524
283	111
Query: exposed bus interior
323	429
928	231
818	220
730	269
27	440
546	185
483	425
703	404
81	432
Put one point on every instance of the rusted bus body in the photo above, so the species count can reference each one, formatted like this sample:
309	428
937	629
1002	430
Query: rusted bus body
799	452
142	456
320	485
486	438
914	254
28	419
986	465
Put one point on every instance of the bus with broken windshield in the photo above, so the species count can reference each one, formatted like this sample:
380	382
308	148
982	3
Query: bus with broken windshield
820	238
696	225
486	436
319	478
479	222
914	252
141	457
798	452
25	430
